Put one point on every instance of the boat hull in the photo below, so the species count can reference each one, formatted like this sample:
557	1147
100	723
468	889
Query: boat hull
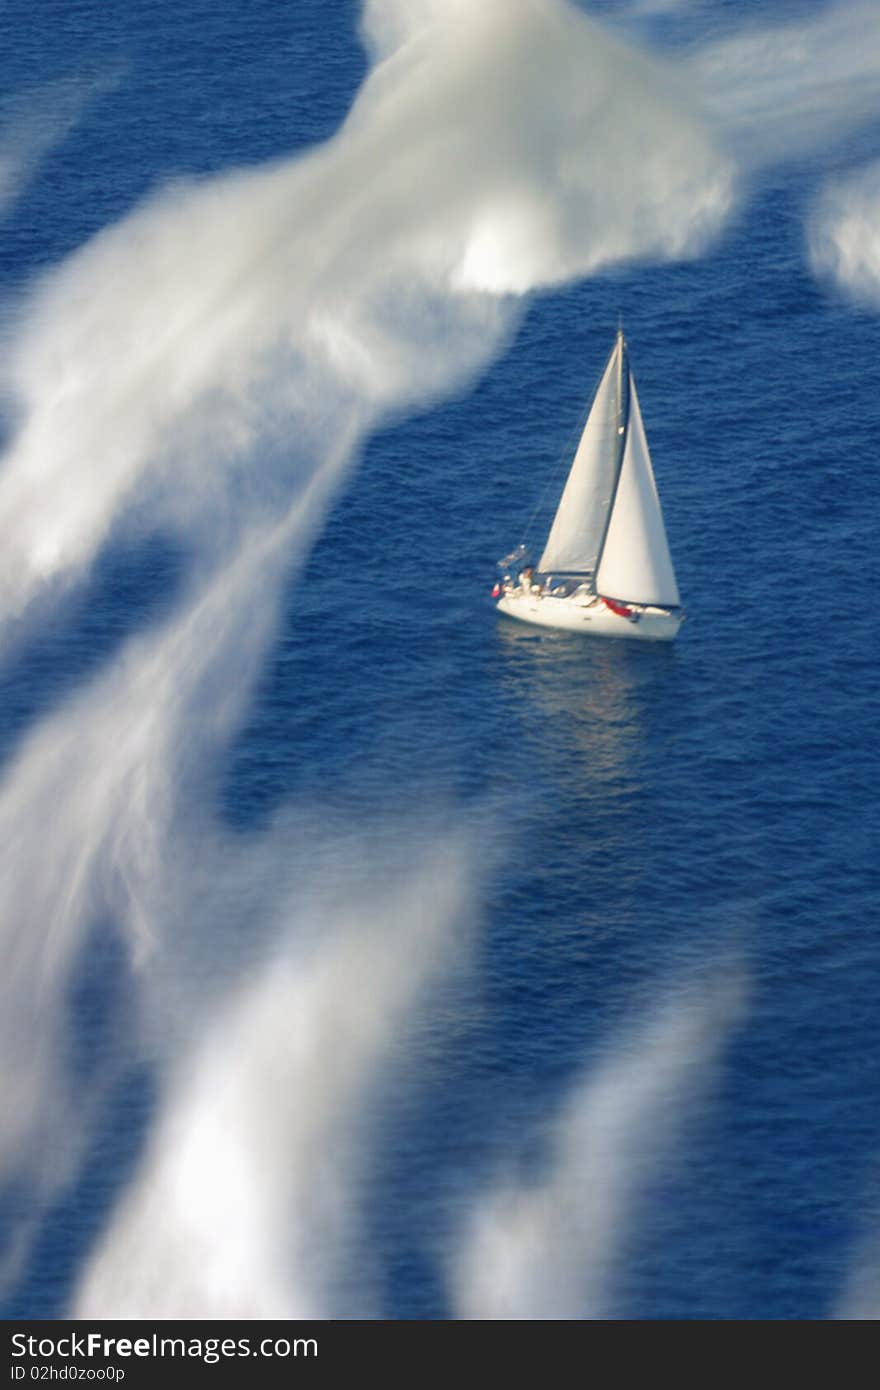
589	616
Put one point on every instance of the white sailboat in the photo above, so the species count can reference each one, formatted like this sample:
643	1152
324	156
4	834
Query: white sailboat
606	567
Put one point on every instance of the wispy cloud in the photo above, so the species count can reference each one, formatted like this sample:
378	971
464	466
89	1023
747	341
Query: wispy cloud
788	91
550	1245
844	234
34	123
247	1203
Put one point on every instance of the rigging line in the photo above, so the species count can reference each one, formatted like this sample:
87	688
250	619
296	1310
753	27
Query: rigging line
566	454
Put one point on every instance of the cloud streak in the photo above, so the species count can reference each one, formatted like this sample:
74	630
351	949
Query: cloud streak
790	91
549	1246
246	1203
35	123
844	234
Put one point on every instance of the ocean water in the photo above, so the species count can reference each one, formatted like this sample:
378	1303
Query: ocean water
640	1077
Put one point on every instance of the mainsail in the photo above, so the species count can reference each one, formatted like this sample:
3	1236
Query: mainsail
609	522
582	515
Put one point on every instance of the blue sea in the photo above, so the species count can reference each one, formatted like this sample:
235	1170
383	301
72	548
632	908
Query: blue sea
654	834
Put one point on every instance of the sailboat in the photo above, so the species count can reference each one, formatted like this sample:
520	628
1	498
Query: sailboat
606	567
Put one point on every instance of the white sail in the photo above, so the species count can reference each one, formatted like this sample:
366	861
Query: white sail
579	525
636	565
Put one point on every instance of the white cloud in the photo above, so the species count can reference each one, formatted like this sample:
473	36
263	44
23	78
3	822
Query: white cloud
844	234
550	1246
33	124
247	1201
789	91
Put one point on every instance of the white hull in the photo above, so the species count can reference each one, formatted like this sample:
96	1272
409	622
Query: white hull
580	613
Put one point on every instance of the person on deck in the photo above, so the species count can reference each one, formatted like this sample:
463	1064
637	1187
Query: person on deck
525	579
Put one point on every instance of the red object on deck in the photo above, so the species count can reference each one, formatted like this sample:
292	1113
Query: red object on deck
619	608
